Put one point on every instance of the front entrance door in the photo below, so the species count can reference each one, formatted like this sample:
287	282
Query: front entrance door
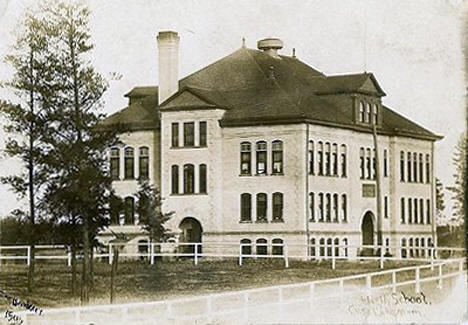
191	233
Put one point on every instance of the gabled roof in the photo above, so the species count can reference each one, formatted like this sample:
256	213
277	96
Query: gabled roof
254	88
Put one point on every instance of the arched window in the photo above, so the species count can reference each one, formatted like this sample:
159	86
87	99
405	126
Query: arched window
415	167
261	207
402	212
416	244
321	208
322	246
423	247
129	163
375	111
428	170
175	179
277	154
246	245
202	178
335	159
402	166
328	216
337	247
311	158
361	111
335	208
343	160
410	244
344	208
408	169
421	169
189	179
129	217
277	206
246	207
246	158
320	158
403	248
362	163
277	246
143	163
368	163
368	113
329	247
261	157
312	206
312	248
261	246
428	211
327	159
115	163
429	245
345	244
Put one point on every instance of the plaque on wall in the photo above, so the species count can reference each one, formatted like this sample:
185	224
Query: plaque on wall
368	190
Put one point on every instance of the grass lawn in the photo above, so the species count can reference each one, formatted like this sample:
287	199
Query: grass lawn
139	281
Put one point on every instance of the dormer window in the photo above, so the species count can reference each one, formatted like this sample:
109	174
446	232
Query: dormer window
361	112
374	114
367	112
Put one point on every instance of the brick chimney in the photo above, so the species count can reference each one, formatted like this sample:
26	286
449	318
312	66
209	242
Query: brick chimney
168	64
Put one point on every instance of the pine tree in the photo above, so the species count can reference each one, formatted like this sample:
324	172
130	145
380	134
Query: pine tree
440	203
79	187
33	65
149	210
458	190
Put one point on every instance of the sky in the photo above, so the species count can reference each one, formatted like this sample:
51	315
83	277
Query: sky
414	48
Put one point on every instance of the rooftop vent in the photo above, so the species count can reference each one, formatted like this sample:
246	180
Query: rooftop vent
270	45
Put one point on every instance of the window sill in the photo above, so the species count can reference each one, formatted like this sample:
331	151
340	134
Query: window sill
261	221
277	221
262	174
189	147
245	175
187	194
277	174
245	221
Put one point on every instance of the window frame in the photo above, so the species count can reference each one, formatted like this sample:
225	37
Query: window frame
189	179
202	134
114	164
275	154
189	134
129	163
143	163
246	158
261	157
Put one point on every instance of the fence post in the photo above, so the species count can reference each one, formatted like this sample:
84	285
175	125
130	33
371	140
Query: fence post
152	253
368	284
69	257
333	255
417	284
432	258
195	253
382	256
111	256
394	283
240	255
440	277
286	260
28	261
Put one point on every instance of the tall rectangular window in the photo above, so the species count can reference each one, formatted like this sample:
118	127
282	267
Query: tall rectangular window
189	132
327	159
277	157
421	211
277	206
311	158
386	206
175	135
320	158
246	207
421	169
335	208
261	207
415	167
115	163
261	157
202	178
428	170
408	170
402	166
246	158
321	208
410	210
374	165
189	179
402	207
385	163
415	214
344	208
129	163
362	163
143	163
175	179
335	159
428	211
328	196
368	163
343	160
312	206
202	133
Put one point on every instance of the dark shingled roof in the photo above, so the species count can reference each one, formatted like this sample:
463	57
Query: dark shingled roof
257	88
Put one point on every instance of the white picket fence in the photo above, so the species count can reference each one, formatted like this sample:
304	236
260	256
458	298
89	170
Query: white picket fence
244	303
242	252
